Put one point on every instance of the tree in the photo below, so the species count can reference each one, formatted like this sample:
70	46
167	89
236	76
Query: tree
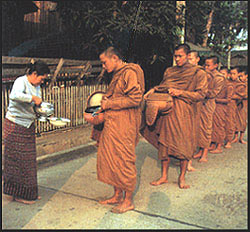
228	24
94	25
217	24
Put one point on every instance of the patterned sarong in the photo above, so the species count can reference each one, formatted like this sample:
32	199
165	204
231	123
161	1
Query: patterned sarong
20	167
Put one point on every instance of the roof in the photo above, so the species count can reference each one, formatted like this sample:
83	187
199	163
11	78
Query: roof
239	57
198	48
27	6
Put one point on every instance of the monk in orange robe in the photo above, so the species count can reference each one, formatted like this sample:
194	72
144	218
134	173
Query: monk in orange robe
219	116
194	58
240	98
173	134
228	108
120	134
230	113
215	82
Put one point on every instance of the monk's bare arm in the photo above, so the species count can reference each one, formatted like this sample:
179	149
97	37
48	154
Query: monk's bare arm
133	93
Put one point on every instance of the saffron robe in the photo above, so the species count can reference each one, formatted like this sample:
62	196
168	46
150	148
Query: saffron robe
219	116
241	110
230	112
116	151
215	82
176	130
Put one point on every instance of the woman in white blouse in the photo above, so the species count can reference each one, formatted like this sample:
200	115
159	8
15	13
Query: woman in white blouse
20	167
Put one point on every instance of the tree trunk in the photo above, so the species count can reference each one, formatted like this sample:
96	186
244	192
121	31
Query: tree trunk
179	5
229	57
208	27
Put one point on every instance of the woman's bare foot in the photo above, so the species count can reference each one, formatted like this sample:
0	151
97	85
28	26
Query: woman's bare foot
27	202
182	184
123	207
39	198
242	141
162	180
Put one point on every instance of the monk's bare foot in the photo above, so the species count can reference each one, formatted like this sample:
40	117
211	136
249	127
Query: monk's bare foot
39	198
212	147
182	184
112	201
191	168
234	140
27	202
203	160
242	141
159	182
216	151
123	207
198	155
228	145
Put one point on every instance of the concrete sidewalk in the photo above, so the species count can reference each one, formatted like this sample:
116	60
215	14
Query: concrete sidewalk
70	192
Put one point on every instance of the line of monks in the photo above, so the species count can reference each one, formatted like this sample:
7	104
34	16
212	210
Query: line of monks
193	107
225	122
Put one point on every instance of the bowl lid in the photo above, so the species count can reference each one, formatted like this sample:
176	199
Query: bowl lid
95	98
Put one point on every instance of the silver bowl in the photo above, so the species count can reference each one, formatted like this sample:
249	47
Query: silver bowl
45	109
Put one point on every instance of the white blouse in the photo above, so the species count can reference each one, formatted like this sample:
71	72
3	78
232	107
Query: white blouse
21	108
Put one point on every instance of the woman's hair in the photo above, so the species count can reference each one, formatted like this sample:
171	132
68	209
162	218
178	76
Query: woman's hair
38	66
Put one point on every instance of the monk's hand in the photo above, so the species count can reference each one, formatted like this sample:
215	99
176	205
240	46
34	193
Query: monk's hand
175	92
104	103
148	93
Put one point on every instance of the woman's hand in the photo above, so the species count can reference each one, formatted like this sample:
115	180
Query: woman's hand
37	100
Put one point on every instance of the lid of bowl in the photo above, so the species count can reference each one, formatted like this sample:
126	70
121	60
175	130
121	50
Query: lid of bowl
95	99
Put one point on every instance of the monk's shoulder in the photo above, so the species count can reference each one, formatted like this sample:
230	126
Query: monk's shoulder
200	70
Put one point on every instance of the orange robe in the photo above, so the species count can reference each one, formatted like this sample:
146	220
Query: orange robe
219	116
176	130
215	82
245	110
230	113
241	114
116	151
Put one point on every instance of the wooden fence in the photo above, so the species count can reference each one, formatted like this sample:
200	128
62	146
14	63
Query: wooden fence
69	99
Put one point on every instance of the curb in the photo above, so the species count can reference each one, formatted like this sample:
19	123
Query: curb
66	155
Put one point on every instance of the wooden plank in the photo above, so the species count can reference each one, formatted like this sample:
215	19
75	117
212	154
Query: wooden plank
49	61
14	72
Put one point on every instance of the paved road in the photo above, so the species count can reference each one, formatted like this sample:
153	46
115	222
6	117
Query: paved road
70	190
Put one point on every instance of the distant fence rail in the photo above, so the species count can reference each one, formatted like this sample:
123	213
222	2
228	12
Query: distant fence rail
68	97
